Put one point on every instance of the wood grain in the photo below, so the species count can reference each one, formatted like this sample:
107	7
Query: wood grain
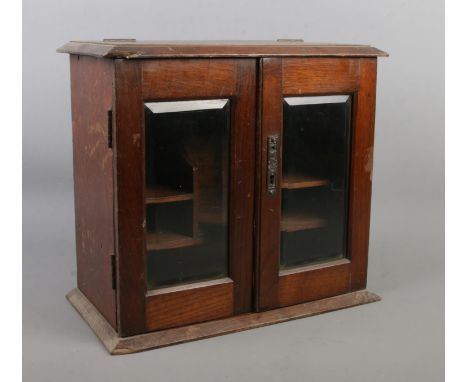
309	284
315	76
163	194
170	240
361	174
297	181
319	76
292	222
212	49
110	192
241	225
130	206
214	78
119	346
91	95
173	307
188	79
269	212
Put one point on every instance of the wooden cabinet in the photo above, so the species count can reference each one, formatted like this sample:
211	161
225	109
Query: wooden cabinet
218	186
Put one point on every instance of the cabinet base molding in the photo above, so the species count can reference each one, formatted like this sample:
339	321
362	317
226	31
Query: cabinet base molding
125	345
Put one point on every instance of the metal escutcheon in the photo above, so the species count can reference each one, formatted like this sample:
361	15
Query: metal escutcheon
272	164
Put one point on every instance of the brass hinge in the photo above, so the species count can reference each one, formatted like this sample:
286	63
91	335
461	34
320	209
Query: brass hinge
114	274
109	128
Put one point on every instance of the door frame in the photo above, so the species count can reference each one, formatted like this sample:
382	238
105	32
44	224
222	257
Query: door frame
140	81
287	77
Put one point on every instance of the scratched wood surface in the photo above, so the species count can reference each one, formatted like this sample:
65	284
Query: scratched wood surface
213	78
91	95
189	304
269	206
116	345
130	198
362	153
184	79
324	75
314	76
109	182
155	49
135	83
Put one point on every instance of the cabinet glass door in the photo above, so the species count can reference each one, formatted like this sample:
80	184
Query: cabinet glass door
314	184
187	177
185	164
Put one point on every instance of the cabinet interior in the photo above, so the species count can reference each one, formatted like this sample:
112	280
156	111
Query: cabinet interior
315	166
187	179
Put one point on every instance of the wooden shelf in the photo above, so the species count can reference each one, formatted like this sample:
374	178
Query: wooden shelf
169	240
294	181
300	222
164	194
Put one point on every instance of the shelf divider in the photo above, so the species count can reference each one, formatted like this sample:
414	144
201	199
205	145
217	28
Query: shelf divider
163	194
170	240
292	222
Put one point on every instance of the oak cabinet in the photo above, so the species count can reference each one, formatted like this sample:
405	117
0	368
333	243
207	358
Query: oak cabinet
218	186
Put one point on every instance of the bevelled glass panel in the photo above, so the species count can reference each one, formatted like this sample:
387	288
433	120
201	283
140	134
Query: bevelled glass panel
187	176
314	186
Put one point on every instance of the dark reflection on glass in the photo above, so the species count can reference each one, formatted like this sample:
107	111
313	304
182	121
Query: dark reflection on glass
187	172
316	139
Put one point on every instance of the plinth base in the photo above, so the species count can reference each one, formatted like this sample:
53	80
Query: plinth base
124	345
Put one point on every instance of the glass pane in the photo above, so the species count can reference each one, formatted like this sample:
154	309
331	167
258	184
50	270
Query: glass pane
187	172
315	179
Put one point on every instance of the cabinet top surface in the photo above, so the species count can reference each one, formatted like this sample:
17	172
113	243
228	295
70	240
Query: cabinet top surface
132	49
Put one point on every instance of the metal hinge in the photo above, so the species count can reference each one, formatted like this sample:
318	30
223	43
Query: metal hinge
109	128
289	40
119	40
114	274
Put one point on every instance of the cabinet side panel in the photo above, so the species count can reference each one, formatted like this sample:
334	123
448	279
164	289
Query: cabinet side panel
361	173
91	86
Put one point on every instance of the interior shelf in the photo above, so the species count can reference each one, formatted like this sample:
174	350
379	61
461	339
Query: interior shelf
169	240
292	222
296	180
163	194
